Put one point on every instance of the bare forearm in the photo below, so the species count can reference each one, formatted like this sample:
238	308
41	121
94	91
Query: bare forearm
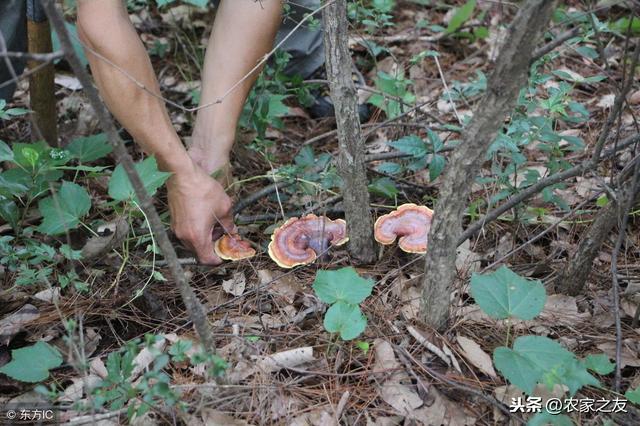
104	26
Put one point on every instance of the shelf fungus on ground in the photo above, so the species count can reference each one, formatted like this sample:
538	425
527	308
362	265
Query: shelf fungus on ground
232	247
409	222
301	241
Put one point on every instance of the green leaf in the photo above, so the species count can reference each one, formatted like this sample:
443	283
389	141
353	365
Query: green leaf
77	47
530	359
633	395
32	364
504	294
411	144
461	16
602	200
573	374
343	285
120	188
346	319
599	363
384	186
516	368
9	212
198	3
12	182
436	166
63	212
363	346
5	152
90	148
389	168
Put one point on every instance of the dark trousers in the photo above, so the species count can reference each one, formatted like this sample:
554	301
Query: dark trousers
13	26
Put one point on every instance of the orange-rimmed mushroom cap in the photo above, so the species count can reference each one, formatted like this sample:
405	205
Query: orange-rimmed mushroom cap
232	247
410	222
300	241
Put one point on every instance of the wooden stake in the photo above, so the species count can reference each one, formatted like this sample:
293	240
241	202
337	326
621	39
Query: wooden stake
41	85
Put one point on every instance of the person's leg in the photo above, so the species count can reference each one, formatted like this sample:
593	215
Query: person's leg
242	34
305	45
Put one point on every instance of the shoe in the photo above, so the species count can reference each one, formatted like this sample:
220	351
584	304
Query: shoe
322	106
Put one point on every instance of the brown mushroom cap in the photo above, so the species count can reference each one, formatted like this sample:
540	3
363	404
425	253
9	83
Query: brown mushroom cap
300	241
409	222
232	247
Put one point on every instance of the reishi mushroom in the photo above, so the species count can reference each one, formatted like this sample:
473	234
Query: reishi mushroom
410	222
232	247
300	241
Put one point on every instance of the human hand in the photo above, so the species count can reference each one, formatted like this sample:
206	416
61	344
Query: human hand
198	204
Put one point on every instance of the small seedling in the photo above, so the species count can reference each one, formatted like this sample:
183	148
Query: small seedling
343	289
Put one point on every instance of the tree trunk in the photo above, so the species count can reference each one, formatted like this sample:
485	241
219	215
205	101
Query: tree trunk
351	157
510	74
578	267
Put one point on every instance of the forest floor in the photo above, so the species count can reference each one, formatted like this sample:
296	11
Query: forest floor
399	371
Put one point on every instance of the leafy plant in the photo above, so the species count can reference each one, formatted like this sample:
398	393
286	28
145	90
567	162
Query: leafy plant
120	187
32	363
532	359
63	211
395	93
6	114
461	15
504	294
343	289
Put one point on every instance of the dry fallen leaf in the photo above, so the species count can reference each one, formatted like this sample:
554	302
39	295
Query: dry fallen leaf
236	285
286	286
442	411
14	323
110	236
561	309
476	356
213	417
628	355
401	397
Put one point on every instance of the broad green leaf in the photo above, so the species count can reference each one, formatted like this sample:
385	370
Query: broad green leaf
504	294
9	212
64	211
436	166
516	368
120	188
571	373
5	152
411	144
32	364
12	184
633	395
389	168
599	363
343	285
533	357
385	187
461	16
90	148
345	319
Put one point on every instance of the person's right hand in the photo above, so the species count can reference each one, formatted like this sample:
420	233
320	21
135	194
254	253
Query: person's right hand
198	204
